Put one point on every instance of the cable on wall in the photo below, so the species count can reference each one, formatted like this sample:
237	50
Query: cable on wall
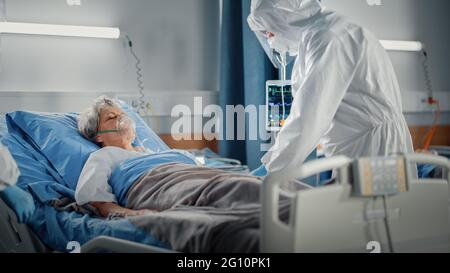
140	83
3	18
431	101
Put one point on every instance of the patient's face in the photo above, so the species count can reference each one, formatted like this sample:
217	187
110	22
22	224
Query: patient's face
108	121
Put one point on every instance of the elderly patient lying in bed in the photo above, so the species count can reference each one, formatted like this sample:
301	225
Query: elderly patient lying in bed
105	123
217	210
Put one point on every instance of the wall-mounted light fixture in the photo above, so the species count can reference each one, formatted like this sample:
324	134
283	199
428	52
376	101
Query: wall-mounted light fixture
59	30
392	45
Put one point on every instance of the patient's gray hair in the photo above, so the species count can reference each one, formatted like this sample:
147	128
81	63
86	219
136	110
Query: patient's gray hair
88	120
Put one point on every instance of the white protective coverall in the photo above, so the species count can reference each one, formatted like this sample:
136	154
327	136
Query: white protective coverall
346	94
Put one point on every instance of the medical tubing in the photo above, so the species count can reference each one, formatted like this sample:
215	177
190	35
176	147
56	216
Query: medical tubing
284	106
283	77
139	75
386	223
426	70
432	101
429	136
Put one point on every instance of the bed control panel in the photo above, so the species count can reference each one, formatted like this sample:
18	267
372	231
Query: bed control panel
379	176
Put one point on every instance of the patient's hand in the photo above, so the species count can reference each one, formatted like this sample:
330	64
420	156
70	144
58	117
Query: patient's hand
139	212
106	209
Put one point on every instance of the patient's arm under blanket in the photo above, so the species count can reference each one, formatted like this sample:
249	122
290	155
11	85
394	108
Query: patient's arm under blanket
201	209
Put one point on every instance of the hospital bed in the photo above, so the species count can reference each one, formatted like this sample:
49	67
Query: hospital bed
419	219
19	238
325	219
15	237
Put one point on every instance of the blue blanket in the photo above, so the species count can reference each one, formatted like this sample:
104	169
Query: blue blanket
129	171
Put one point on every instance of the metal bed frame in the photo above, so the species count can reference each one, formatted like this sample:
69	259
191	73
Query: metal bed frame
346	227
350	224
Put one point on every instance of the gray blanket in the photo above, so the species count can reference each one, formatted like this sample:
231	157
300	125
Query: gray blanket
200	210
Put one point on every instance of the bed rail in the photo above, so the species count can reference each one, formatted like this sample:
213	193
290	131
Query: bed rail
353	218
110	244
277	236
15	237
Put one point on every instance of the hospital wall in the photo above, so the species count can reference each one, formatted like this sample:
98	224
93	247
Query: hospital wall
176	41
178	44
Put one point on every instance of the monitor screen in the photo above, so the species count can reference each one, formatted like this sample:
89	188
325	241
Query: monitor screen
278	104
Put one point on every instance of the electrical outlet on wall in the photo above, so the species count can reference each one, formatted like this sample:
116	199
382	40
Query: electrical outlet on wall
424	104
135	103
417	102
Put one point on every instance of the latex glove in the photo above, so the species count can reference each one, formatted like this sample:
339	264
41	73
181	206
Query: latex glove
261	171
20	201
